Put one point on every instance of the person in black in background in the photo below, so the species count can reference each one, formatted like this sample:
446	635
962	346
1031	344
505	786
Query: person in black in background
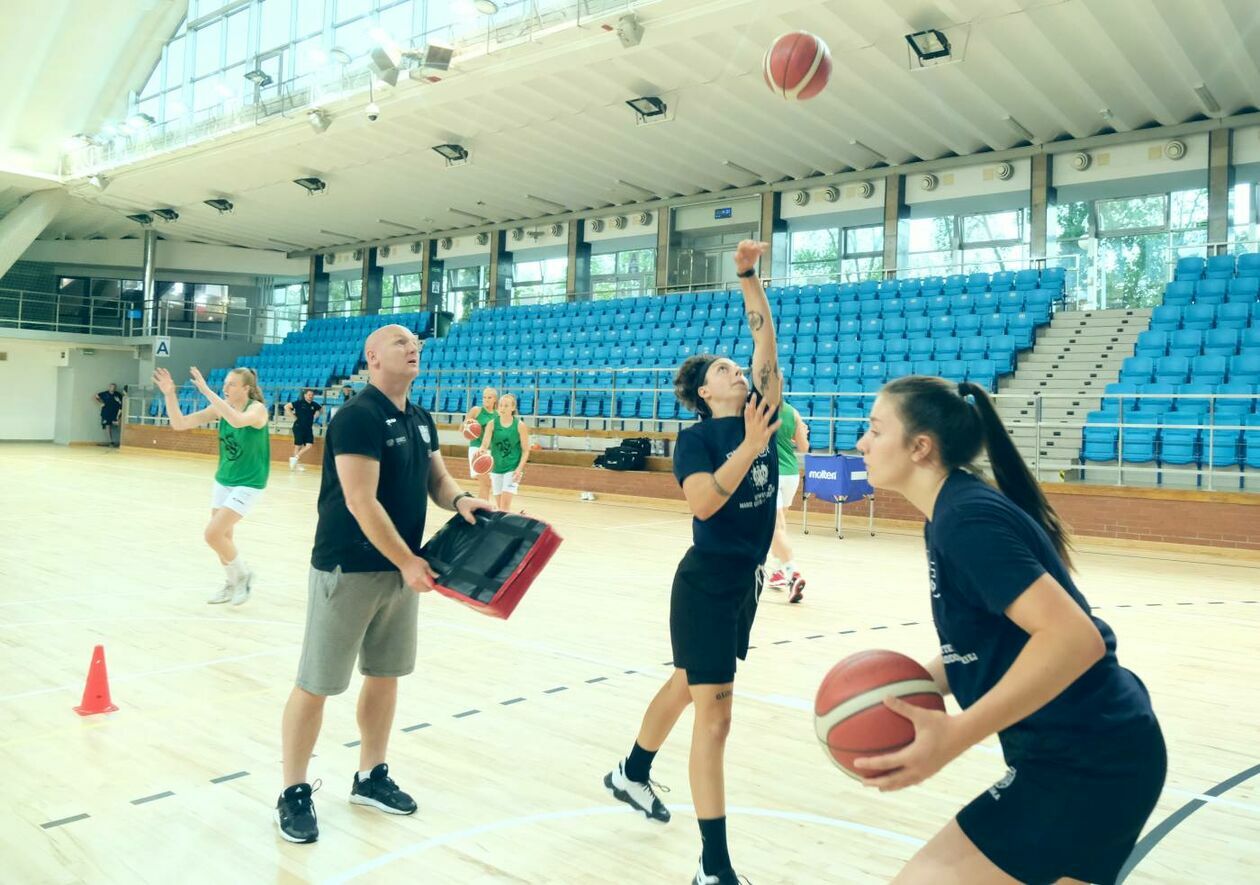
303	411
1021	653
728	467
111	402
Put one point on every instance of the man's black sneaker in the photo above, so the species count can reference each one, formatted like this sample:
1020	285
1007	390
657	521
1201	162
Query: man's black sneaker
380	791
295	813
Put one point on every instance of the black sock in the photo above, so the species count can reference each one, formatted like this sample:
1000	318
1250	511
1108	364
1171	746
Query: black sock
713	835
639	764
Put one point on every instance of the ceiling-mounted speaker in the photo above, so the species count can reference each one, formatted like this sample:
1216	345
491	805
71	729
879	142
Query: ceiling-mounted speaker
866	190
385	250
1081	161
597	225
929	182
518	234
445	244
330	259
358	254
416	248
1175	149
801	198
645	219
831	194
557	229
619	222
1004	171
483	239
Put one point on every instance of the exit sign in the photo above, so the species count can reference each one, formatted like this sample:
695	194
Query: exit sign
724	212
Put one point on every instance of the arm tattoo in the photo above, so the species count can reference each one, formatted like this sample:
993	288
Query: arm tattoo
723	695
768	372
717	485
755	321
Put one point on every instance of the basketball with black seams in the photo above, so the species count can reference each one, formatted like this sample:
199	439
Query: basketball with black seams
850	717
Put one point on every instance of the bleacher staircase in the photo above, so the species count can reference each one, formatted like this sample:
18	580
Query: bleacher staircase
1071	363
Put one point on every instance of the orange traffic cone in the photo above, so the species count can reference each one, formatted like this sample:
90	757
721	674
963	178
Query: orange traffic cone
96	692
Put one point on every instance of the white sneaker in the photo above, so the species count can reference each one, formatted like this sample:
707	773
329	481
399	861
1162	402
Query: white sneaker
292	463
223	594
241	589
301	469
640	797
727	878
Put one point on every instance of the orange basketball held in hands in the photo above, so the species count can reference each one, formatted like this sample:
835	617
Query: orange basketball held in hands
797	66
849	713
482	462
471	430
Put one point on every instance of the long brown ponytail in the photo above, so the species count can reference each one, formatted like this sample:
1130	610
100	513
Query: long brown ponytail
963	421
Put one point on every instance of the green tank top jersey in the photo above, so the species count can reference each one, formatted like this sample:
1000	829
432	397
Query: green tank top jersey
788	463
484	417
505	446
244	456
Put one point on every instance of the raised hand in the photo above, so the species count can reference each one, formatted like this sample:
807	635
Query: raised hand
163	380
760	423
198	381
748	253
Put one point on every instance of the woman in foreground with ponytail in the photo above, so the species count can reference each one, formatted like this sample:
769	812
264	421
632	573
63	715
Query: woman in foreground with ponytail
1020	652
244	464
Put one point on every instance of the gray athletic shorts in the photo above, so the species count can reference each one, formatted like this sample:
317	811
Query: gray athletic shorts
368	615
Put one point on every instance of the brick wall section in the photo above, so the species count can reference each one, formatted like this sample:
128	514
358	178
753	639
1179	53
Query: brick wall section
1210	519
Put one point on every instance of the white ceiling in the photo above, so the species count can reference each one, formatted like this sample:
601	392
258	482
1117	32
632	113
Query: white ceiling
548	119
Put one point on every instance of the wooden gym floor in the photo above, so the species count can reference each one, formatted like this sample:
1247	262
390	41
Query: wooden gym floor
506	729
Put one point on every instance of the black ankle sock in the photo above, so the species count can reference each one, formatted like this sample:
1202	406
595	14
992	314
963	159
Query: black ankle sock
716	859
639	764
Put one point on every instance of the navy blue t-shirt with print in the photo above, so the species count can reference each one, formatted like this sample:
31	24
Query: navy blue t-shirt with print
983	552
744	526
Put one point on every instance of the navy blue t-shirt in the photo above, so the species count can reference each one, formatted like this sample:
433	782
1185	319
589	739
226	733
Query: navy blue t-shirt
744	526
983	552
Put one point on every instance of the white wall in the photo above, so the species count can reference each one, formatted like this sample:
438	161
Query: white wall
465	246
632	230
818	211
90	370
172	255
1247	145
28	389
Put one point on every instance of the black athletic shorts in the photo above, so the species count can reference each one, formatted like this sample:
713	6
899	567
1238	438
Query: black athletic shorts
1073	807
303	435
711	611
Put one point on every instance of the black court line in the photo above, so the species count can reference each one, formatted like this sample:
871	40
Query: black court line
816	636
224	778
845	632
63	821
782	642
416	727
355	743
1168	824
153	798
597	679
466	713
879	628
556	689
909	623
510	701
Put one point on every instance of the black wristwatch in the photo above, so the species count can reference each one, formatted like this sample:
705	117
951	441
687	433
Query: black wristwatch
455	501
745	274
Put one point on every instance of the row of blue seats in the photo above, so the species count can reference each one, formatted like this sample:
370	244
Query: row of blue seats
1193	342
1244	368
1217	267
1244	290
1178	440
1038	302
1236	315
1237	398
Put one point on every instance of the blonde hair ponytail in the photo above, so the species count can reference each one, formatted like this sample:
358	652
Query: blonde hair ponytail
250	379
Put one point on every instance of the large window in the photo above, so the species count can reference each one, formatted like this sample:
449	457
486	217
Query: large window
629	272
464	289
1122	251
345	297
1244	216
835	254
401	292
539	282
948	244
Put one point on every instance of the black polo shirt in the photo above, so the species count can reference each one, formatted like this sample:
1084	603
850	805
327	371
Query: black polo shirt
744	526
983	553
304	413
111	404
402	441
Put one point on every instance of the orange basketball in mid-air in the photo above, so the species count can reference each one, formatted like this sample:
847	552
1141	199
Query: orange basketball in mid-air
797	66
